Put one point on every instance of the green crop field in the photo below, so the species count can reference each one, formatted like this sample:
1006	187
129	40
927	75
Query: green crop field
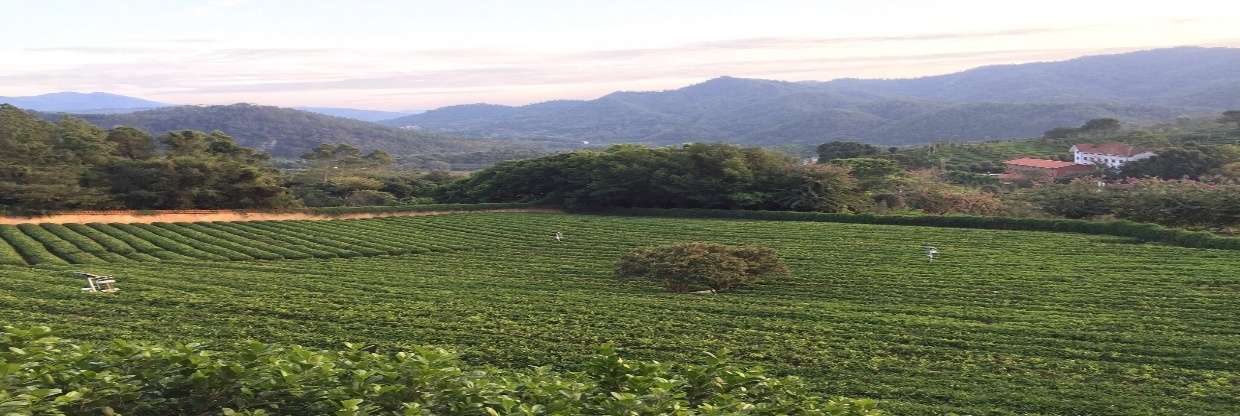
1005	322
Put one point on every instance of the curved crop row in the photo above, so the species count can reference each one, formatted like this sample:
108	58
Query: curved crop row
262	240
61	248
32	251
251	243
141	246
294	235
162	230
107	242
206	242
274	239
167	243
298	229
83	243
8	254
342	231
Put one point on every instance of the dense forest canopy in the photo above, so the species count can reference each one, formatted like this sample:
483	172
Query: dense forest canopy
690	176
71	164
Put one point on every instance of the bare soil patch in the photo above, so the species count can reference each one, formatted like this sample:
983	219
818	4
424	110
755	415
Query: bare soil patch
224	215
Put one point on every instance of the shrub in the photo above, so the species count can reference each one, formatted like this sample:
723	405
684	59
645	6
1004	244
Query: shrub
369	197
41	374
696	266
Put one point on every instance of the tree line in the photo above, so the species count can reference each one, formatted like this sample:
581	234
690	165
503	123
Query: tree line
71	164
717	176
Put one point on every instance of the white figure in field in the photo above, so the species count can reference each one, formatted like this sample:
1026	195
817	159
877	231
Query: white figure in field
931	252
558	237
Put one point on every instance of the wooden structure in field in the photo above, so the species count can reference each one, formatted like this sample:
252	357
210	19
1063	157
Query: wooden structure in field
97	284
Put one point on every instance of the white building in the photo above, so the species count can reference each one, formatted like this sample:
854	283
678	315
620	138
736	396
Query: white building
1114	155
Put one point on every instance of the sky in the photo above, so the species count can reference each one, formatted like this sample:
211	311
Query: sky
423	54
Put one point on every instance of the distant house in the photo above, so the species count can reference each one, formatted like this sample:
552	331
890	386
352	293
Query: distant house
1113	155
1026	168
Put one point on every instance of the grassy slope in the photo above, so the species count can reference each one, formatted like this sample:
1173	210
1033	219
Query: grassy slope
1006	322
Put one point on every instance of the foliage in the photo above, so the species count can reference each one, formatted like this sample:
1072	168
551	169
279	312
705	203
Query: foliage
340	175
696	266
289	133
925	192
1230	116
1003	322
1166	202
199	170
74	165
970	178
870	173
844	150
41	374
1180	203
1185	162
1081	198
691	176
47	166
1091	128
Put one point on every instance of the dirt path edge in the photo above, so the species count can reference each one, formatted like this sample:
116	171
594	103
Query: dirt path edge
130	217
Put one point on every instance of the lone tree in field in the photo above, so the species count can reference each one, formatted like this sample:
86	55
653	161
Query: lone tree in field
702	266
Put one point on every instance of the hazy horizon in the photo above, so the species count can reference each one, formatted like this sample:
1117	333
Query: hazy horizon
399	56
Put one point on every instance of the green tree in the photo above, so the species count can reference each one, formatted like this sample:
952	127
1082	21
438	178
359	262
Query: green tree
1231	116
199	170
692	176
131	143
45	166
698	266
871	173
1186	162
1081	198
1101	125
1059	133
844	150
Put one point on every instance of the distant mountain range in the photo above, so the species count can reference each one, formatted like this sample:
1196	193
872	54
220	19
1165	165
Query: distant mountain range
289	133
77	102
356	114
1004	101
994	102
105	103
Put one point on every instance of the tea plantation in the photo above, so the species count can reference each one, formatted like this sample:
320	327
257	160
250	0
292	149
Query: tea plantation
1003	322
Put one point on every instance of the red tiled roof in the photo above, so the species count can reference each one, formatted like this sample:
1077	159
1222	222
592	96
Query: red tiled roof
1110	149
1039	163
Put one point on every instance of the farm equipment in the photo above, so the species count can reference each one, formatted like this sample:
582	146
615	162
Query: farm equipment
97	283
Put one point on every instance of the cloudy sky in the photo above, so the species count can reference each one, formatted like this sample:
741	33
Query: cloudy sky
421	54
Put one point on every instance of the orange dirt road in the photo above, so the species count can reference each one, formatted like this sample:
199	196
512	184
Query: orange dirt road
225	215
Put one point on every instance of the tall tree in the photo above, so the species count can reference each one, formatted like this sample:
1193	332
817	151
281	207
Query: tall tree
131	143
1101	125
844	150
45	166
1186	162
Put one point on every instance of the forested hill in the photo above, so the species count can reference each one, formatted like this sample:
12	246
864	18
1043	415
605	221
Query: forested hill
1187	77
985	103
285	132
